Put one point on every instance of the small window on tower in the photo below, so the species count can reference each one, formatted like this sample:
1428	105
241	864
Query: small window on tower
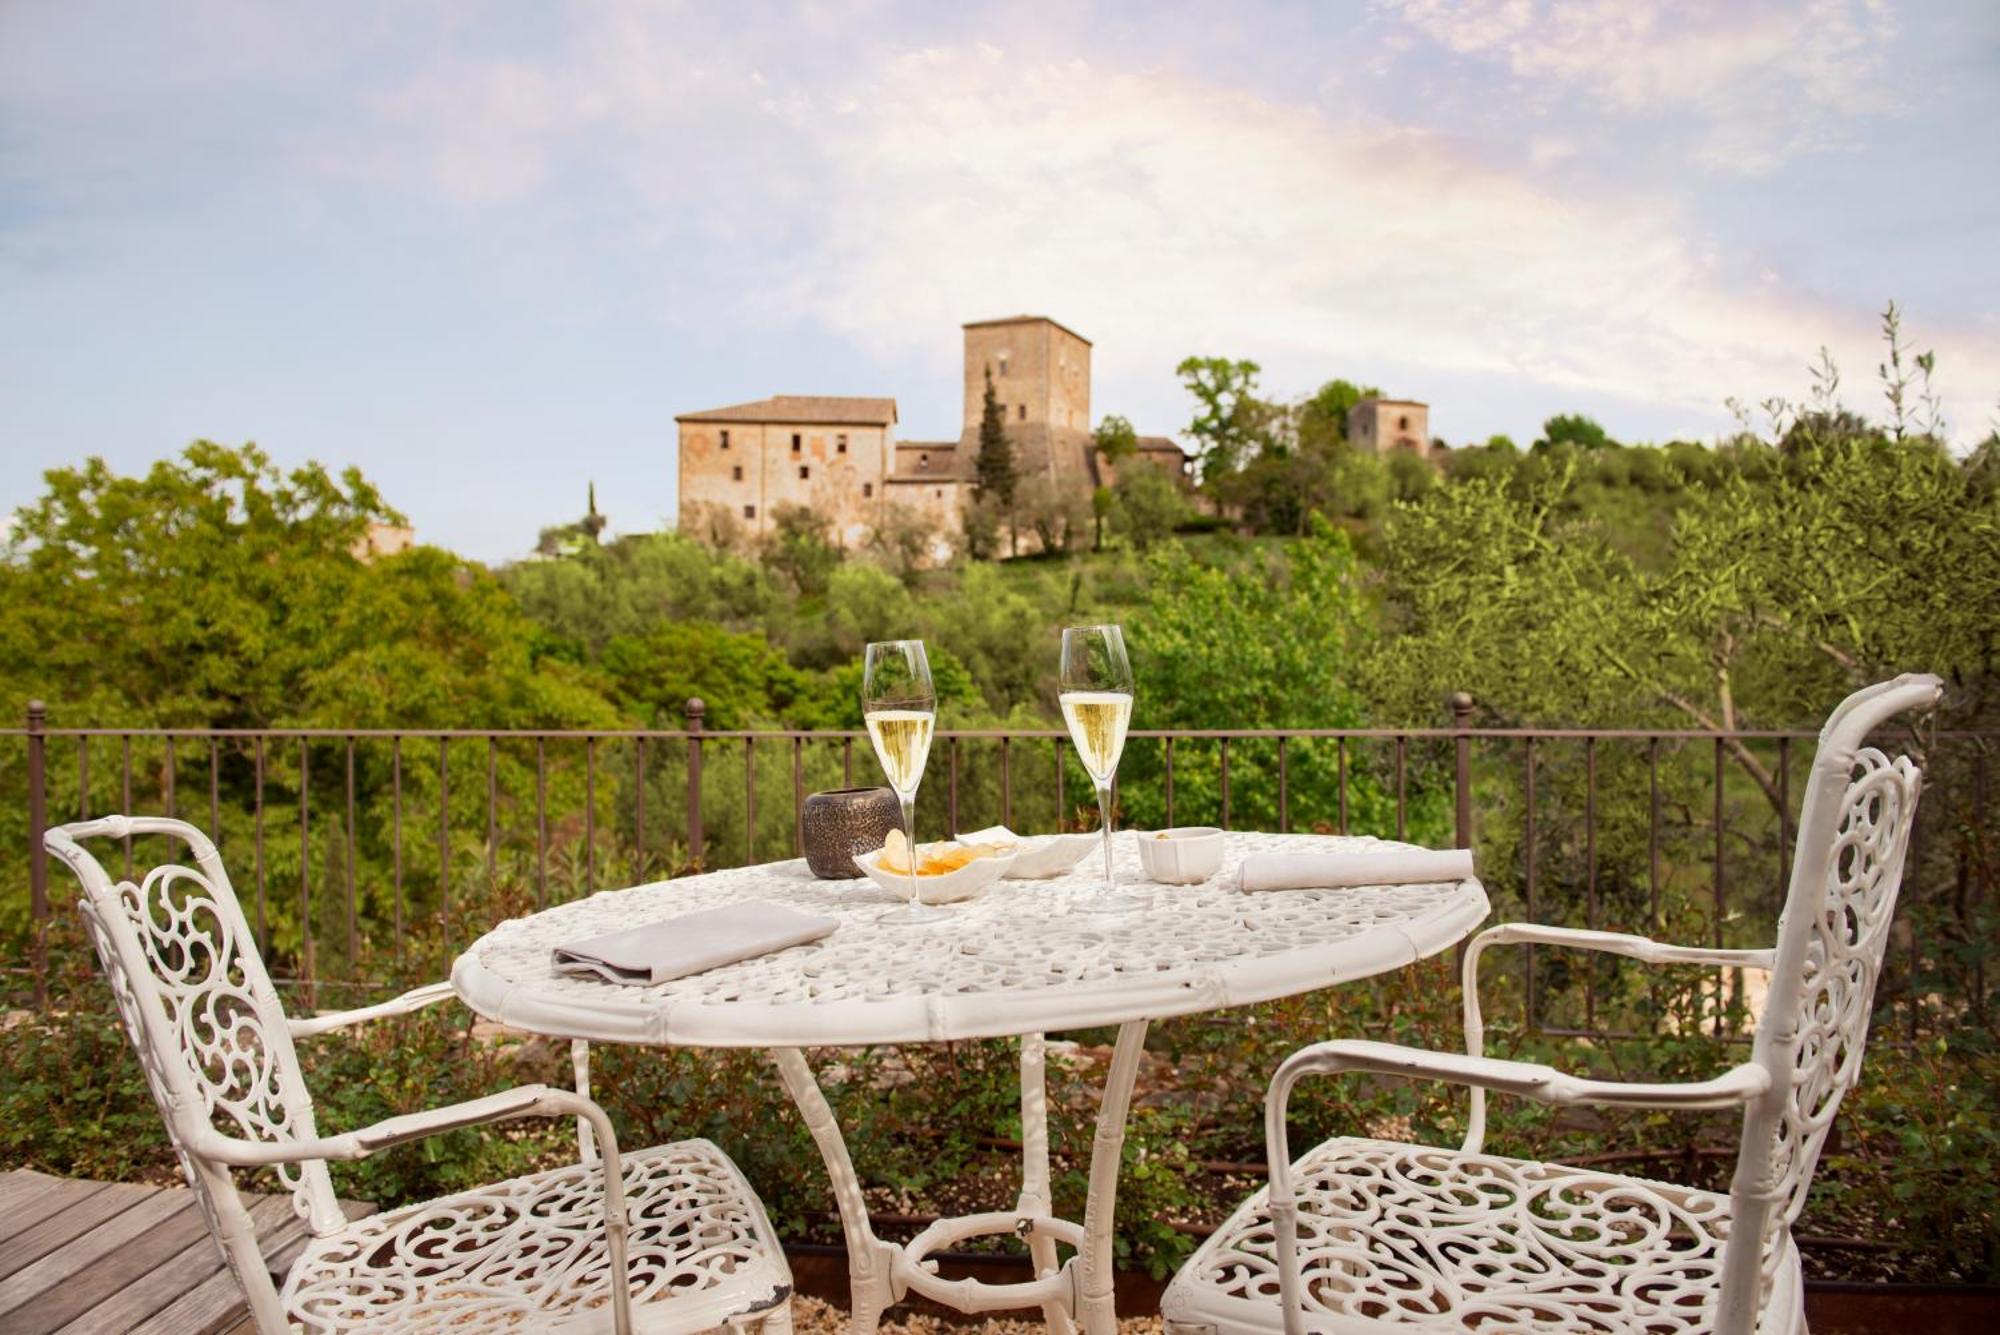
736	473
940	493
840	443
804	472
1003	365
1023	408
1403	423
923	463
867	490
725	440
797	443
749	512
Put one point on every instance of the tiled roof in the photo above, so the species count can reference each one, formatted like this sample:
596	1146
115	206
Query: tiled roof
1027	319
1159	445
803	410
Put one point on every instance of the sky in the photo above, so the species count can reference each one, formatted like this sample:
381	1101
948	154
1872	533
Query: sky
487	252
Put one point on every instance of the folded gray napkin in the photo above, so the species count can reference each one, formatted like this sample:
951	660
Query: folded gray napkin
1339	870
691	943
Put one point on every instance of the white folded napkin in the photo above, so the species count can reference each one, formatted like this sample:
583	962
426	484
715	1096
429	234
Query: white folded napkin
1375	866
661	951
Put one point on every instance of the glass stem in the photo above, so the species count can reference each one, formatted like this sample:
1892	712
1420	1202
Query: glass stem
1104	819
909	801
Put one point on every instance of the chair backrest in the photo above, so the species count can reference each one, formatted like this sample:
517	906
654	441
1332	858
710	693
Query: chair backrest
200	1010
1854	830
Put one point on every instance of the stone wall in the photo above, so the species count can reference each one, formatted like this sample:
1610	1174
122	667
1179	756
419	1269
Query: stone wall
749	469
1383	425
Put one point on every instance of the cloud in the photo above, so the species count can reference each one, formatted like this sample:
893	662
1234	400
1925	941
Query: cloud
1757	82
1158	213
889	194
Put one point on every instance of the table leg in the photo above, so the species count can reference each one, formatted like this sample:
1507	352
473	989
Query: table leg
868	1257
1035	1195
1096	1311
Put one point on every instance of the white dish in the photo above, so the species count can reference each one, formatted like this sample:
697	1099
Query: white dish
968	882
1184	855
1037	857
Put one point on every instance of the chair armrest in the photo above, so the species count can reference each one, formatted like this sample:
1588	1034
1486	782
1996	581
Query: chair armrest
415	999
1612	943
1616	943
1545	1084
1737	1085
521	1101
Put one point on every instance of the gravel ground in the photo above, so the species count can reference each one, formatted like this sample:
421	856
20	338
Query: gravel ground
815	1317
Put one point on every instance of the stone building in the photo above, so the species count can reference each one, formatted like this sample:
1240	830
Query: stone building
1383	425
1041	376
832	453
839	455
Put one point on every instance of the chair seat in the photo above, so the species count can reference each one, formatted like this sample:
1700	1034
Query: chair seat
530	1254
1402	1237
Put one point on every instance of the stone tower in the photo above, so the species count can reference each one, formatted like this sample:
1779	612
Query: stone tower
1041	375
1384	425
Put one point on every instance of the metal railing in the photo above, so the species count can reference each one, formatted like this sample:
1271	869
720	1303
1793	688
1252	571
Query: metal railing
424	819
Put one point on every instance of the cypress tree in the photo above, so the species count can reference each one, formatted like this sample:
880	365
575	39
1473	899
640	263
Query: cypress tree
995	471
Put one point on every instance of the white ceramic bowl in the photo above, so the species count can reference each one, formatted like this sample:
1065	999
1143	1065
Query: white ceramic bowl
1037	857
1184	855
968	882
1047	855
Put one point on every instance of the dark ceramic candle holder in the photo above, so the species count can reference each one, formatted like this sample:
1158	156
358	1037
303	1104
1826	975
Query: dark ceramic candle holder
838	824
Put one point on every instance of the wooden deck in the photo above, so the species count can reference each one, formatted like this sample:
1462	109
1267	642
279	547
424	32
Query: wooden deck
107	1257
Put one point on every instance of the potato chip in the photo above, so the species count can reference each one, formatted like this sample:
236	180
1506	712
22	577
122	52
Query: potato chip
939	859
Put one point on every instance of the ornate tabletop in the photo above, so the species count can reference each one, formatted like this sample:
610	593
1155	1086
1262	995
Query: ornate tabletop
1017	961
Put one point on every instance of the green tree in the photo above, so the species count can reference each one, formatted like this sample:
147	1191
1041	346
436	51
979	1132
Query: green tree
1102	501
1055	512
1148	506
995	472
800	550
742	679
584	600
1323	417
904	537
1572	429
1230	420
1115	440
1274	642
218	591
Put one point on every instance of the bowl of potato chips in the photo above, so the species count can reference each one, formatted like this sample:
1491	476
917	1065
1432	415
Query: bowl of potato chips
947	872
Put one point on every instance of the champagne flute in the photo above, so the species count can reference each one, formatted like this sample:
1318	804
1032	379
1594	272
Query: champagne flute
900	707
1097	705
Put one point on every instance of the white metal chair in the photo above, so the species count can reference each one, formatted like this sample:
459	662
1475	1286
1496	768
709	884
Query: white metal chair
1370	1235
676	1224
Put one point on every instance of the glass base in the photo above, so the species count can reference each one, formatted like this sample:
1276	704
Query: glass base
915	914
1109	901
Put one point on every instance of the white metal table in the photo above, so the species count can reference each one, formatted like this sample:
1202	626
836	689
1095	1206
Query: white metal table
1017	962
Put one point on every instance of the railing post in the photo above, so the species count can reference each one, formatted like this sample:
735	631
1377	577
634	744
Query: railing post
1461	721
38	867
694	711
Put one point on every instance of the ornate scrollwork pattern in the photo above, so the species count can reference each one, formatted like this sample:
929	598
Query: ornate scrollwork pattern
1410	1235
530	1253
1848	937
1021	946
235	1050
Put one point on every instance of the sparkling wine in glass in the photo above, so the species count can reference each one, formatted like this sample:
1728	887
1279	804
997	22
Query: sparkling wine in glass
1097	705
899	706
